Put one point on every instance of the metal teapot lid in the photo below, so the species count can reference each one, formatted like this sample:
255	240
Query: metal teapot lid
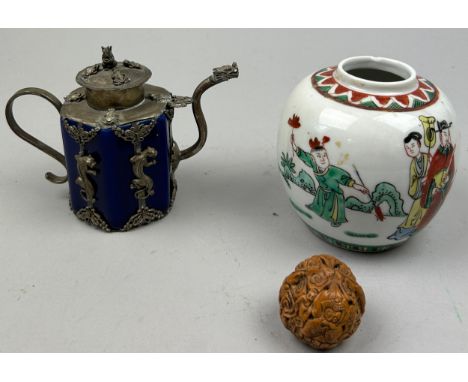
113	84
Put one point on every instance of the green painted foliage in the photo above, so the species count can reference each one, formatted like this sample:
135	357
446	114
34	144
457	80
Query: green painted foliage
384	193
305	181
287	167
302	180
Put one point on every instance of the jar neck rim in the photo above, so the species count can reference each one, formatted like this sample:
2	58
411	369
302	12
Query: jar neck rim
407	84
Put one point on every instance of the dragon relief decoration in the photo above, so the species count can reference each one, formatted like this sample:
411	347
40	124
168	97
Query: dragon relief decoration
86	166
142	183
321	302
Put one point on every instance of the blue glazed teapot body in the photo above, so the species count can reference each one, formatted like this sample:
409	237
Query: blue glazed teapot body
118	147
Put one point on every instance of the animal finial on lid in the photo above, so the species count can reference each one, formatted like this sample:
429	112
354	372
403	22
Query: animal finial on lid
108	60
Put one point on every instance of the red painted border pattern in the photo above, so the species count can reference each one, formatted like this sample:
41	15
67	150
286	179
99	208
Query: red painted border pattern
325	83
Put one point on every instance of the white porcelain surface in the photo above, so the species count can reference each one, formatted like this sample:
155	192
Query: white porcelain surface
368	140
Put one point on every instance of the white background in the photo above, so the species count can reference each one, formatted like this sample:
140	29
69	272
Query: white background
206	278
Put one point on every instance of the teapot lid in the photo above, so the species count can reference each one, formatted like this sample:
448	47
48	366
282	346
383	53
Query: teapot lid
113	84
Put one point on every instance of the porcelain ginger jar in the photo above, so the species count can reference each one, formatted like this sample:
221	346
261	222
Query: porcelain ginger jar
119	153
367	152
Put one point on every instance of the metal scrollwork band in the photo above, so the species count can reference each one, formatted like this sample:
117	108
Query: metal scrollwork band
86	167
91	216
80	135
136	133
143	216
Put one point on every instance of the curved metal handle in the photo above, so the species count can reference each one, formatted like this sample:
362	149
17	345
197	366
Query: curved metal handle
28	137
221	74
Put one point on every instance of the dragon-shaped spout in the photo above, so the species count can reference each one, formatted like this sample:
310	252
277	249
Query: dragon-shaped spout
220	74
225	73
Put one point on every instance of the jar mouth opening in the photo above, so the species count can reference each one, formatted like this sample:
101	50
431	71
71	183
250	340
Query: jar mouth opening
377	69
377	74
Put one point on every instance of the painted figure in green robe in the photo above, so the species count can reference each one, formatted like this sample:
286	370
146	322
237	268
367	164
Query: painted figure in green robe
329	201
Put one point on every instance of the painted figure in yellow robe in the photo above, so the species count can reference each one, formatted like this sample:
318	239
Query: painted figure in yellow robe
418	171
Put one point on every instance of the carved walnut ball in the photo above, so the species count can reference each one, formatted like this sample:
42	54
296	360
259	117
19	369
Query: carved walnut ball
321	302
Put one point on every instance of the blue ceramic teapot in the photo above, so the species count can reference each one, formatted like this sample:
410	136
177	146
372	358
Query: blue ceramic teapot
120	156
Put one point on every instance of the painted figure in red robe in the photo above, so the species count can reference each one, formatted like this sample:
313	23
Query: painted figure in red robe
439	175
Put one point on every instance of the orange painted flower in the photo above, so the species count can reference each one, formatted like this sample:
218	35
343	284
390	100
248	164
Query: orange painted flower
325	139
294	121
314	143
